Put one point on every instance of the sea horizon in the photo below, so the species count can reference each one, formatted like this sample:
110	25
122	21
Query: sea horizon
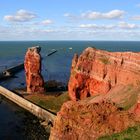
72	40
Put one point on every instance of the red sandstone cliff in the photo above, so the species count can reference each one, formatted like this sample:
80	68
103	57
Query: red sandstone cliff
98	116
32	65
97	71
89	119
100	72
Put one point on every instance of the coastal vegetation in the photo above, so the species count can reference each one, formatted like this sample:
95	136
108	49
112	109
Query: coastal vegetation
51	101
132	133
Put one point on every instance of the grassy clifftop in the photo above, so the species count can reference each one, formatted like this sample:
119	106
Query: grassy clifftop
50	101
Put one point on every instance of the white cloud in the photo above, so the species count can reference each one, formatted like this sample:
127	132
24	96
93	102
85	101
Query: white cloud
72	17
46	22
95	26
114	14
20	16
137	17
48	31
27	32
67	15
120	25
125	25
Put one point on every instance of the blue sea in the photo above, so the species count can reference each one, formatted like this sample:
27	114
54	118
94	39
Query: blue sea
57	66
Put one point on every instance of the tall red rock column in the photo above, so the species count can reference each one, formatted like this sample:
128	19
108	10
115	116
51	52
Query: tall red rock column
32	65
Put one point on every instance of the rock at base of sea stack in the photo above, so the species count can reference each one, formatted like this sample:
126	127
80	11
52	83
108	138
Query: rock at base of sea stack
32	65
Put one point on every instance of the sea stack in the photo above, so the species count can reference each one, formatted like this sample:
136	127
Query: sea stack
32	65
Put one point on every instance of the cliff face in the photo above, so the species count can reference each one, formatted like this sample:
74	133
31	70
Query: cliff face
89	119
97	71
98	116
32	65
100	72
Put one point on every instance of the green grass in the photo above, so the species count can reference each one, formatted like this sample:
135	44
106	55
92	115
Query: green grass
55	103
132	133
49	102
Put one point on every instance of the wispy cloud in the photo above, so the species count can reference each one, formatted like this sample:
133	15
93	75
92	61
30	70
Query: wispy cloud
47	22
137	17
68	15
125	25
111	32
120	25
95	26
114	14
72	17
95	15
20	16
10	32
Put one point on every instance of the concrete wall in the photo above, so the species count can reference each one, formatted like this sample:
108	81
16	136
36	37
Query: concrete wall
15	69
11	71
34	109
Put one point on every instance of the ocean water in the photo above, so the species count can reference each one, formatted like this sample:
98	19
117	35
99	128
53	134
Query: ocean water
57	66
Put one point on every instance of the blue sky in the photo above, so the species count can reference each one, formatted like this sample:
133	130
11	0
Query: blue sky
70	20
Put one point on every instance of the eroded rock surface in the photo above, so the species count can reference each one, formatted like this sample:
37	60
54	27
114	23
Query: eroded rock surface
89	119
97	71
32	65
98	116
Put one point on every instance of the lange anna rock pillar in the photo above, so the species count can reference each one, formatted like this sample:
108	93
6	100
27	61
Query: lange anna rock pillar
32	65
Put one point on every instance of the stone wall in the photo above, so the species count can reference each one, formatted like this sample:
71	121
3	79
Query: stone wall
34	109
